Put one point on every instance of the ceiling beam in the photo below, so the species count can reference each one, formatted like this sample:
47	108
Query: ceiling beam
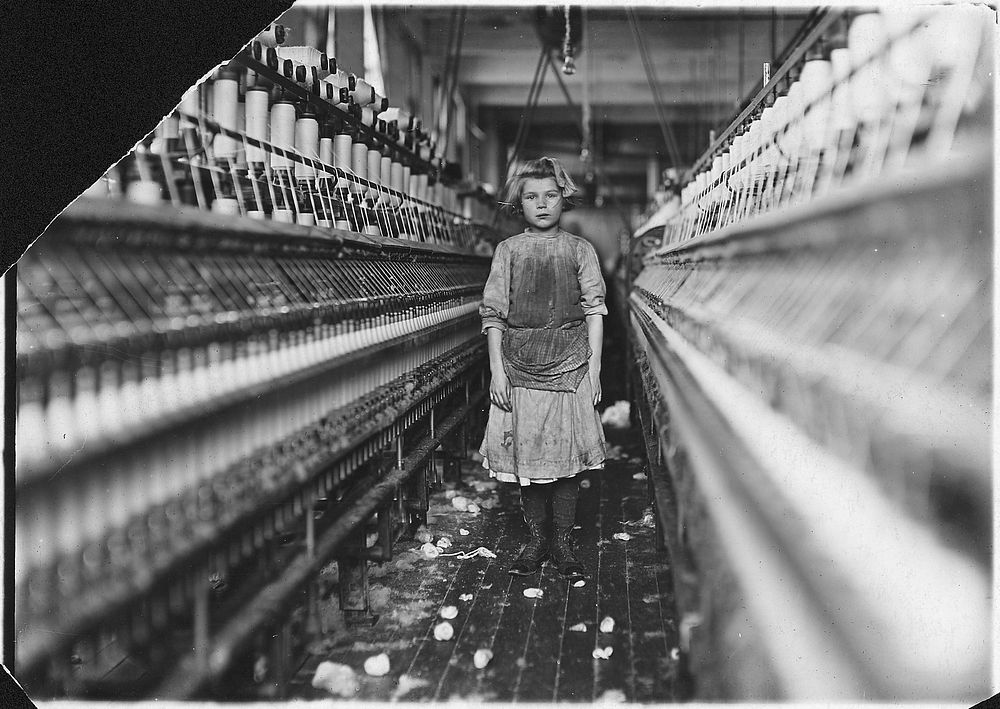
552	104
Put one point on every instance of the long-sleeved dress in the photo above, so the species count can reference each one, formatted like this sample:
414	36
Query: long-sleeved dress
539	292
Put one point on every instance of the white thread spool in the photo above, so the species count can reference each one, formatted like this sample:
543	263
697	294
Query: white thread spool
144	192
340	78
282	131
713	182
169	129
396	176
305	219
257	119
325	183
342	144
769	122
779	120
272	36
363	93
422	187
701	189
385	174
954	33
285	216
326	155
328	91
753	136
715	172
866	38
841	111
909	60
786	120
753	146
190	105
727	166
688	194
395	113
816	86
359	165
396	181
225	109
768	158
310	56
241	128
374	170
406	181
226	205
311	75
735	155
208	99
306	145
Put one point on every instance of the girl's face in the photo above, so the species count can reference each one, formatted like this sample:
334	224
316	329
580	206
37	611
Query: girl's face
542	203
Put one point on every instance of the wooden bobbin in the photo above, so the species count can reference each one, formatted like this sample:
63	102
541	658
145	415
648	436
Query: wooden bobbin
282	130
225	110
306	143
257	122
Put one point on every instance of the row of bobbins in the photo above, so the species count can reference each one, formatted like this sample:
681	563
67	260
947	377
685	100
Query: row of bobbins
109	399
278	119
385	159
856	104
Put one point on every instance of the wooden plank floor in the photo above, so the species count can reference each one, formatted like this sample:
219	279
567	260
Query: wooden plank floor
542	647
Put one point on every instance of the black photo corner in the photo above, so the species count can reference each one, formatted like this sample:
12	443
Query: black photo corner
788	494
103	75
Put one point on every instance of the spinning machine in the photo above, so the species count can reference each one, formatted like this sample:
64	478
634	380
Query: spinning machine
246	351
813	333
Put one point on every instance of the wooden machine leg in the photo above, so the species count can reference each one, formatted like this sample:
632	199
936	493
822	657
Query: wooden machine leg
416	499
353	577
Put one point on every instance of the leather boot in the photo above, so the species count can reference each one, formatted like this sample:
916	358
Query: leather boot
564	494
534	500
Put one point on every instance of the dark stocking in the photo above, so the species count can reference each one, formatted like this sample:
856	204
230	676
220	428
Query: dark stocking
534	501
564	494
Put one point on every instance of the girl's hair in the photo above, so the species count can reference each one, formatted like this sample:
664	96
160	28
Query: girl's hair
540	169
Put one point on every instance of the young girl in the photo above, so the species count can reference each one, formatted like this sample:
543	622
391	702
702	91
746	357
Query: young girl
542	312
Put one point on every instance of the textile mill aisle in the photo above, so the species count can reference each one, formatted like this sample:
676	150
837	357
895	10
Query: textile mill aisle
613	639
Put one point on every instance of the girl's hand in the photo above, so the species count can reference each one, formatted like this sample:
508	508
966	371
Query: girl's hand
500	390
595	384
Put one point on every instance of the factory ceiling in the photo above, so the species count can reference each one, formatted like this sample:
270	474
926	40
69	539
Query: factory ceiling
704	64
